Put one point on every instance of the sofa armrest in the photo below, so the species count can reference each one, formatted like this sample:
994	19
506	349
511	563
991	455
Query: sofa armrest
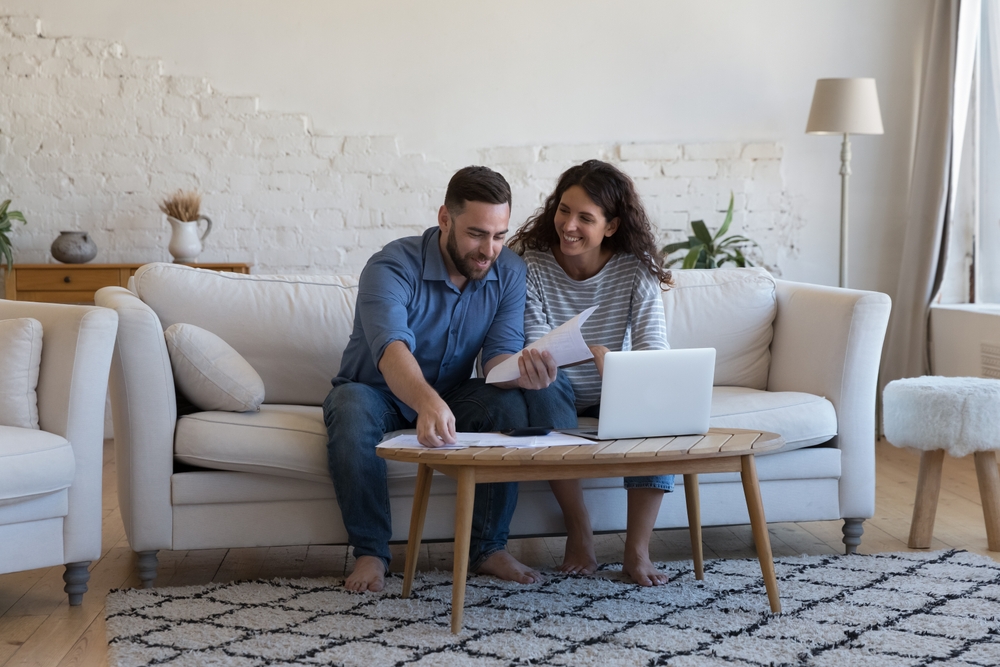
828	341
73	380
144	408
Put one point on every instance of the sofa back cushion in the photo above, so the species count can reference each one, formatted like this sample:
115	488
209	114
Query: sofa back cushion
731	310
291	329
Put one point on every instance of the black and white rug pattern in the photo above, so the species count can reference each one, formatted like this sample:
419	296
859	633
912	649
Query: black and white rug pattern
896	609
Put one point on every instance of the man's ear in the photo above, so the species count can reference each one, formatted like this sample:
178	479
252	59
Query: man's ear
612	227
444	219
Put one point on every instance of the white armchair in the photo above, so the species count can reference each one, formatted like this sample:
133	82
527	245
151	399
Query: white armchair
50	477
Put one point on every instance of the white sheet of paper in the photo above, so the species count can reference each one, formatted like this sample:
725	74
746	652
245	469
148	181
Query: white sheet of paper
409	441
565	343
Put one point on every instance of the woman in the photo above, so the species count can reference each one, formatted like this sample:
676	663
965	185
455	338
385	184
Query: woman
592	244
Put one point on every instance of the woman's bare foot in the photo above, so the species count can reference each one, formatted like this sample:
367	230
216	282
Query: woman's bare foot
368	575
504	566
640	569
579	557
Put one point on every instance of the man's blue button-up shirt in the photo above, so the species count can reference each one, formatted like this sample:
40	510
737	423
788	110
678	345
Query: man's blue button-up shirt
405	294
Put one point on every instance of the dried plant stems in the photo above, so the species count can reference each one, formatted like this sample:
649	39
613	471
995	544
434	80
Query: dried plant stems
182	205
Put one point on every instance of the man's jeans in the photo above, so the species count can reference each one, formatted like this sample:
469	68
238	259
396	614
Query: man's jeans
555	407
358	415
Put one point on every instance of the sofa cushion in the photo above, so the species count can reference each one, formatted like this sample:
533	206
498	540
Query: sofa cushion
21	342
291	329
731	310
290	440
801	419
33	463
210	372
282	440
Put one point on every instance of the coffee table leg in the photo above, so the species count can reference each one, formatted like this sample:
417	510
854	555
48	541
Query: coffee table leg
420	496
761	539
463	534
694	523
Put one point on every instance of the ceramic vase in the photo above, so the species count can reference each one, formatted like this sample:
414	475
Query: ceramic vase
185	242
74	248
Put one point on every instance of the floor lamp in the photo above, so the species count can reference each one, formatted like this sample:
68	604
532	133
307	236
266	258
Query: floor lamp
844	106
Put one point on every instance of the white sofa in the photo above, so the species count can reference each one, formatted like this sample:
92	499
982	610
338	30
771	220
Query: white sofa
50	476
800	360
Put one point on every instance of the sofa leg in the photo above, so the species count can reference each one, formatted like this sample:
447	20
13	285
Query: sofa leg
76	577
853	529
147	565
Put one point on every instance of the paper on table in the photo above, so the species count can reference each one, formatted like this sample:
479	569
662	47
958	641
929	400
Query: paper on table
409	441
565	343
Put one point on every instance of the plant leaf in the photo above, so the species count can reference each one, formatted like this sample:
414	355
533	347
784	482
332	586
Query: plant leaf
674	247
692	257
17	215
5	251
729	218
701	231
675	260
4	205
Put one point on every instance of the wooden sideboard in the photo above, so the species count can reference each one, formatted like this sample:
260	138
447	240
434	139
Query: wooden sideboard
76	283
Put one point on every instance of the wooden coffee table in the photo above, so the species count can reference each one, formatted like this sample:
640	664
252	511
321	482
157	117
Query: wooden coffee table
721	450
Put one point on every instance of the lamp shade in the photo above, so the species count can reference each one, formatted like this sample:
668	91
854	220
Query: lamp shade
845	106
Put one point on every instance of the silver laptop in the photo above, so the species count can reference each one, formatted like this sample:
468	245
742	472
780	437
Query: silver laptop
652	393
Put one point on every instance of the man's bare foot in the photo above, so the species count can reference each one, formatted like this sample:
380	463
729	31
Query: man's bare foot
640	569
504	566
368	575
579	557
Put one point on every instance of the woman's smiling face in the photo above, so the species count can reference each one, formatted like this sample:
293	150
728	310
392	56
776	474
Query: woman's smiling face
580	224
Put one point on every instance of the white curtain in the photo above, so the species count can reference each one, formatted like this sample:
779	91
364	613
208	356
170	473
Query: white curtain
945	88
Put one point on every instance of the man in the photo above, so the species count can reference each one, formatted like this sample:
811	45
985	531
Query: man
426	307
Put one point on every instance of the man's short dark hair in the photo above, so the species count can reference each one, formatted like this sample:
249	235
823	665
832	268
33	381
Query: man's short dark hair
475	184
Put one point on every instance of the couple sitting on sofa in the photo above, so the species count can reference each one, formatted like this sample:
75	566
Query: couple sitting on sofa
428	305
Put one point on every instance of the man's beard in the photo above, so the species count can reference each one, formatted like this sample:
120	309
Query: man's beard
464	264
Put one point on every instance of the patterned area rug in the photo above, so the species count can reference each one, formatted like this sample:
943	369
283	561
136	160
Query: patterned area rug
890	610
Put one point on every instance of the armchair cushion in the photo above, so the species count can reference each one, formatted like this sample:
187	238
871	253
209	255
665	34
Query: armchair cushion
21	343
210	372
731	310
33	463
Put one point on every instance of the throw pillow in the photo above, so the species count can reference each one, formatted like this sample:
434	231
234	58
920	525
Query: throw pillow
210	372
731	310
21	356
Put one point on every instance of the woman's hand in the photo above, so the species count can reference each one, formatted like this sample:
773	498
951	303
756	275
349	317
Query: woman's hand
599	351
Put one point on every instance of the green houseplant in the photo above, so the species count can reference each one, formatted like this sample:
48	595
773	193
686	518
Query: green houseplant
5	226
705	251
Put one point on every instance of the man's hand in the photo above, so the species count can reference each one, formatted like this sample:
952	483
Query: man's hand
599	351
435	423
538	369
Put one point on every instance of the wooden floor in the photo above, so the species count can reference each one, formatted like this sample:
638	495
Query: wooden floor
37	626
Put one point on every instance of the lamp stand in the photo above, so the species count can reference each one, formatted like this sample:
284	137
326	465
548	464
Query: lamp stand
845	172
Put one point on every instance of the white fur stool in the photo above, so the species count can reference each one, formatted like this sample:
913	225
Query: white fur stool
946	414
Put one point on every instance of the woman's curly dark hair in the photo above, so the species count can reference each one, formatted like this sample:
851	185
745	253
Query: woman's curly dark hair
613	191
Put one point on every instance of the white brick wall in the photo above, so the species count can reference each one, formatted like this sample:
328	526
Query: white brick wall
92	138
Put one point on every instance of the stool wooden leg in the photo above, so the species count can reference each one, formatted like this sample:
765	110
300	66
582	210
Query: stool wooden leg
989	493
925	504
761	539
694	523
420	497
466	479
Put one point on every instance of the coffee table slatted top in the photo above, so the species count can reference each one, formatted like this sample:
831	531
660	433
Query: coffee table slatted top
718	442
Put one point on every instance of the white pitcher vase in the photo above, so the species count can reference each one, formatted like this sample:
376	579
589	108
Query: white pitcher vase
185	243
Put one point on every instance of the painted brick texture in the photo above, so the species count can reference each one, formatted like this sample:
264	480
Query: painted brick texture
92	138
